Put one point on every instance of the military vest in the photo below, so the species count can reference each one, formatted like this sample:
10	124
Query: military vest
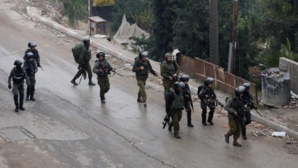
178	103
170	68
104	66
238	105
31	69
144	64
18	76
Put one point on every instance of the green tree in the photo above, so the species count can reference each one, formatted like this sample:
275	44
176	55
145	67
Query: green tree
164	17
75	10
190	28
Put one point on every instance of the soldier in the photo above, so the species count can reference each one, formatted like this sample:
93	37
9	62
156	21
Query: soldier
18	75
249	104
32	48
102	68
30	67
83	61
174	107
187	98
142	68
235	108
208	98
169	71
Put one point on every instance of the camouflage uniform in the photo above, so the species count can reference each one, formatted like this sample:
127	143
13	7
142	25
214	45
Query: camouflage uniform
174	105
142	76
167	70
102	77
234	105
84	65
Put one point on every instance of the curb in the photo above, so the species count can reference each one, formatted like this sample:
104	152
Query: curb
273	125
70	32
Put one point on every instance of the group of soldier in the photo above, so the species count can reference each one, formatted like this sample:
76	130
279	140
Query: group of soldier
177	93
177	96
24	71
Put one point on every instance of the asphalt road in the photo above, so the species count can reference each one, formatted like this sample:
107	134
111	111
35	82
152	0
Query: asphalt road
68	126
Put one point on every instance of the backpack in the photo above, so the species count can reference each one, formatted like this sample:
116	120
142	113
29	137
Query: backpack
76	50
200	88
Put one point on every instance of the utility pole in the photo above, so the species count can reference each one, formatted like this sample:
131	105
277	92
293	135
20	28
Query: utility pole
90	4
233	44
213	32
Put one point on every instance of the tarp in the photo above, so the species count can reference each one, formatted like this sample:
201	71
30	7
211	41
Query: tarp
127	30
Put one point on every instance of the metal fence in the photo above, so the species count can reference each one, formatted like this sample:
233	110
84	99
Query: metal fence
200	69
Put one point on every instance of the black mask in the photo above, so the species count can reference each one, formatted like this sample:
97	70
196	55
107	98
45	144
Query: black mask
19	67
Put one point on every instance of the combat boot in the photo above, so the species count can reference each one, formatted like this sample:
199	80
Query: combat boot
170	127
28	94
177	136
32	95
244	134
210	117
204	118
15	98
91	83
139	100
102	99
227	138
189	119
73	81
210	122
21	102
145	103
190	125
236	143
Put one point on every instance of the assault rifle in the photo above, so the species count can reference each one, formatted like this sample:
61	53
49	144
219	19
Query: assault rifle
190	100
149	68
114	70
175	79
210	100
166	120
39	66
219	103
252	106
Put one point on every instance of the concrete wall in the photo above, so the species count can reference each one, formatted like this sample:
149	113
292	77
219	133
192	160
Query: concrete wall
291	66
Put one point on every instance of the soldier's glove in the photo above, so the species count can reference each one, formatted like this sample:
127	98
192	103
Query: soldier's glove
38	65
9	86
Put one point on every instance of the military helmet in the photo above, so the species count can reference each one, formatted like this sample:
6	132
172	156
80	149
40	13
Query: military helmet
29	55
239	90
184	78
246	85
178	84
18	62
168	55
143	54
208	81
32	45
100	54
86	40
